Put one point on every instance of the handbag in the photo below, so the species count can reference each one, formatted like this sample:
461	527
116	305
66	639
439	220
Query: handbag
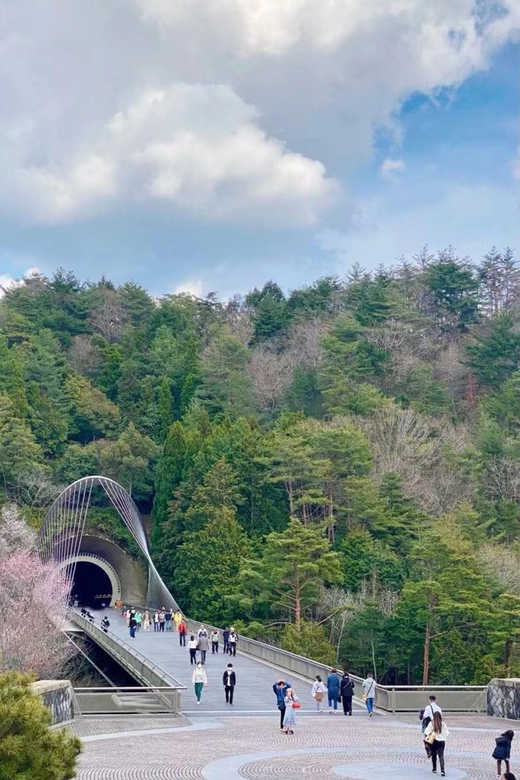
296	705
430	739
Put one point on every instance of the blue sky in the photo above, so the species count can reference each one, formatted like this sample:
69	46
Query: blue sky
189	151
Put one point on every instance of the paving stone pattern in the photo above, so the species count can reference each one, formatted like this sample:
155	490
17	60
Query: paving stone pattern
322	747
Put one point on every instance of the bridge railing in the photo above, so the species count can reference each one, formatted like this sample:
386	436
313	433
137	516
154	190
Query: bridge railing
127	701
135	663
392	698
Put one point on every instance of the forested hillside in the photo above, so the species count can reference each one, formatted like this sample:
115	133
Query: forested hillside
336	469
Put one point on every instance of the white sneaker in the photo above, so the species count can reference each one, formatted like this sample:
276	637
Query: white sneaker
198	702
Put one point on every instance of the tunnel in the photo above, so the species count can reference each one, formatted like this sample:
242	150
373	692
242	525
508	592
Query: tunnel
91	585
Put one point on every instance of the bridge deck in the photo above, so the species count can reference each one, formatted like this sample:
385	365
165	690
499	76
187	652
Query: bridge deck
254	679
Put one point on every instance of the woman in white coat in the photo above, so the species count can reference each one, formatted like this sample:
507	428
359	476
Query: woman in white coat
199	680
435	735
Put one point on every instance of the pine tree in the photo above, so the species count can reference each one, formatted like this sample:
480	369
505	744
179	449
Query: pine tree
29	750
170	467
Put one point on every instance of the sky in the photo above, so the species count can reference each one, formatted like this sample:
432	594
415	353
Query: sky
213	145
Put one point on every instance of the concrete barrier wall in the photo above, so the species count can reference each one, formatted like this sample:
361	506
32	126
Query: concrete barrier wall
58	697
404	698
503	698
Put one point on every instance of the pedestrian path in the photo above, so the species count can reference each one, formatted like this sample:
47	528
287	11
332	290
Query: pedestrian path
254	690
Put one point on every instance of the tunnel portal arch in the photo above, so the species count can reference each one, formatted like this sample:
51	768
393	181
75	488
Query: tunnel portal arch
101	563
64	526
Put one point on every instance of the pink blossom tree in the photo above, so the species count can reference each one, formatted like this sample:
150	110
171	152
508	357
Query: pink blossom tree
32	603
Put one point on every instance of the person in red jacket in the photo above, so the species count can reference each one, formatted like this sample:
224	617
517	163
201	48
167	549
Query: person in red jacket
182	629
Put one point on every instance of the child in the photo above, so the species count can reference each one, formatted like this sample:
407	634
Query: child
502	751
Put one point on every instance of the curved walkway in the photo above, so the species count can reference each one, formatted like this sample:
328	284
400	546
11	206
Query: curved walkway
254	691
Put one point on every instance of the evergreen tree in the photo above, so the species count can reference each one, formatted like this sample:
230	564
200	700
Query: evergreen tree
19	452
29	750
170	467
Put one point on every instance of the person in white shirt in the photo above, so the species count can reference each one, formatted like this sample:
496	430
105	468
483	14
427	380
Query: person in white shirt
215	637
318	692
437	742
192	647
429	711
199	680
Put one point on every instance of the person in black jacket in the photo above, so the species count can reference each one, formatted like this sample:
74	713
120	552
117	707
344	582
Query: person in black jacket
229	680
346	688
502	751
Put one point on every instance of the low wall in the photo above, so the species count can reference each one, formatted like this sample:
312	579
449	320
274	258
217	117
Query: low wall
58	697
503	698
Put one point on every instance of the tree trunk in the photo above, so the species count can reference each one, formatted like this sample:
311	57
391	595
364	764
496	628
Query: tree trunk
426	663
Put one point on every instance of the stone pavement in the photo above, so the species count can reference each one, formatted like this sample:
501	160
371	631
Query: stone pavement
254	691
224	748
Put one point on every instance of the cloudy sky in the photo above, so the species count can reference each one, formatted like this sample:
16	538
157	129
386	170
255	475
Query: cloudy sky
214	144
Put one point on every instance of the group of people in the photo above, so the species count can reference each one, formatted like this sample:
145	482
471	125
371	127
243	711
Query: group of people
199	679
341	689
201	642
435	733
158	620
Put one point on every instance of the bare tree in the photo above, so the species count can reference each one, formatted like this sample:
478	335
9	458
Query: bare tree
109	315
502	563
304	344
83	356
271	375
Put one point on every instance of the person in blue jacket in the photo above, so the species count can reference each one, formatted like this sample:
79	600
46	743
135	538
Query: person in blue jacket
333	689
280	689
502	751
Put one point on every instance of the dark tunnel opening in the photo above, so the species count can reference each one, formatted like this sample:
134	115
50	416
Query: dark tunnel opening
91	586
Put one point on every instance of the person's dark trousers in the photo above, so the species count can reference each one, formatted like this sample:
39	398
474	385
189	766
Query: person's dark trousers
203	656
132	632
214	647
193	657
226	646
347	704
282	709
437	749
162	626
230	689
182	640
233	648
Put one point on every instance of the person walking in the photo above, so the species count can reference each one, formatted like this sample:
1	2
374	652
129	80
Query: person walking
132	626
280	688
229	680
192	647
203	646
199	680
168	619
318	692
369	692
156	621
232	642
105	623
182	630
346	689
333	689
225	640
147	622
436	733
162	619
502	751
138	620
426	717
202	630
215	637
177	617
291	705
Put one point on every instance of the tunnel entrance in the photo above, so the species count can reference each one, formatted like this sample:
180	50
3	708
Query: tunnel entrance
91	586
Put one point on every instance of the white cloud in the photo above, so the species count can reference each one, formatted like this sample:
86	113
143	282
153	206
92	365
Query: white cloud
7	282
144	121
196	146
193	287
390	167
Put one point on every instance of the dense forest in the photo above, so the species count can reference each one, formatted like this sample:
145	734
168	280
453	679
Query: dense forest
335	469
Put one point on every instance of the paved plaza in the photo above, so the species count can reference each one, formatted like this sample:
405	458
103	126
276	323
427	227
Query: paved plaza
252	747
